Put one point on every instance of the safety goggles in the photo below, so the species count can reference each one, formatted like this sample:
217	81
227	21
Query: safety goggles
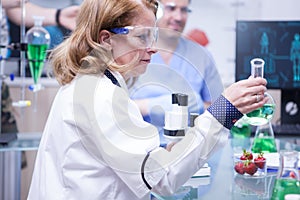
142	36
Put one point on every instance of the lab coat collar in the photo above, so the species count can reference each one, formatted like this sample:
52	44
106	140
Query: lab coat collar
120	80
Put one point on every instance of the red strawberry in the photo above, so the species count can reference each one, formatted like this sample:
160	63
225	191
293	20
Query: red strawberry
293	175
239	167
246	155
250	168
260	161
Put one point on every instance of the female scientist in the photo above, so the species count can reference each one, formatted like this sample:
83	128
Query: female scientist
95	144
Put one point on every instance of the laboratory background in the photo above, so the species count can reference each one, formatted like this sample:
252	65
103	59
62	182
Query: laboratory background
217	19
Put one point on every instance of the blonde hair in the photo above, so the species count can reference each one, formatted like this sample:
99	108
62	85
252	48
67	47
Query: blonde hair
81	52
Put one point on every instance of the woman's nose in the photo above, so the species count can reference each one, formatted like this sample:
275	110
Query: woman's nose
152	49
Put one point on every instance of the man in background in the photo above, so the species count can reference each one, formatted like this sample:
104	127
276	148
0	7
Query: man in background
180	66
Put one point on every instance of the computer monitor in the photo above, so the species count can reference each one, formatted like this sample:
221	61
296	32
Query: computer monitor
278	44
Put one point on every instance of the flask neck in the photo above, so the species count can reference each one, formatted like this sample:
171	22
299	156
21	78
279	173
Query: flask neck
38	21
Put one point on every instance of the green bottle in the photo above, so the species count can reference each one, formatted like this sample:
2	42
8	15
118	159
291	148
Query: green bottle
36	56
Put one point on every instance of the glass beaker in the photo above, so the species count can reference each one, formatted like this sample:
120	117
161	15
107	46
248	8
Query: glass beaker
264	114
264	140
38	40
287	180
250	188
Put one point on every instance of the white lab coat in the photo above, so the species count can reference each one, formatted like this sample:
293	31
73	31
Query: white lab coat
95	141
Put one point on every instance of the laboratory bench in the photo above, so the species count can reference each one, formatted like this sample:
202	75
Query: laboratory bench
224	183
221	183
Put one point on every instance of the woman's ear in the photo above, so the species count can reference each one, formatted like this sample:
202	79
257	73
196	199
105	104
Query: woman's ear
104	38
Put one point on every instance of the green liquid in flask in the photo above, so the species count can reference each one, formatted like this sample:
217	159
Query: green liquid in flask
283	187
264	144
36	55
261	115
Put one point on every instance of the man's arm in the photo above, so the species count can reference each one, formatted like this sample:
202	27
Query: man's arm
6	4
66	18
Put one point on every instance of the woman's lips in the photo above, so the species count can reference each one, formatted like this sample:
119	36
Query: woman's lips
146	61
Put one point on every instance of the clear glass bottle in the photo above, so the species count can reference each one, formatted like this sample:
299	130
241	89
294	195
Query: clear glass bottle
264	140
38	41
287	180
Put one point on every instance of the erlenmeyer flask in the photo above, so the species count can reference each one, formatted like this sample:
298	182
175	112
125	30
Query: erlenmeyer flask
38	40
264	140
287	180
264	114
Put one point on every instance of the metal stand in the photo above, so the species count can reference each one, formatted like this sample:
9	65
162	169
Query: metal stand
10	162
23	52
10	173
2	77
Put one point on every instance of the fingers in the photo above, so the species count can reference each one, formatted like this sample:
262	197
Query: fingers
258	81
257	91
257	97
252	103
260	97
254	86
247	95
245	89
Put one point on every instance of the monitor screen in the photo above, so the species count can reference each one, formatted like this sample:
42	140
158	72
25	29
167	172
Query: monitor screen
277	43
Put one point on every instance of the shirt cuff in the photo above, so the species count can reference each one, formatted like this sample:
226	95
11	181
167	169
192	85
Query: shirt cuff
225	112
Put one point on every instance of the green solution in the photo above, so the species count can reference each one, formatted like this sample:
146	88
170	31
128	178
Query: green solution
242	131
261	115
285	186
264	144
36	55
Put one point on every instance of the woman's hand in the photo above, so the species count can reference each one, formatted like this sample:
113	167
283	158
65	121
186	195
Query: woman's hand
247	95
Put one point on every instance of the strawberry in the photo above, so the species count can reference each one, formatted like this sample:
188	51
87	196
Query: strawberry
239	167
250	168
246	155
260	161
293	175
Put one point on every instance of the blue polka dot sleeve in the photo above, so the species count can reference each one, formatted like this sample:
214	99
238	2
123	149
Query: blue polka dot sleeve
225	112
